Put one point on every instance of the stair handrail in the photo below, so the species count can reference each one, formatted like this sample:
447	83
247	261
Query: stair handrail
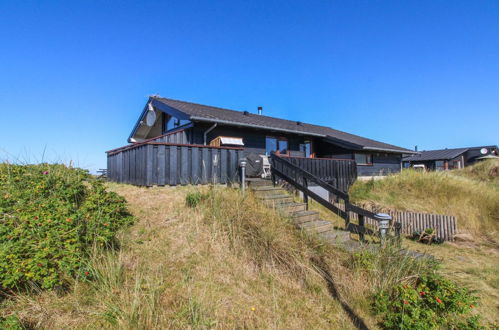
306	177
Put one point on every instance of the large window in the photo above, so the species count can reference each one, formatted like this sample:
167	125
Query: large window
276	144
173	122
439	165
306	148
364	159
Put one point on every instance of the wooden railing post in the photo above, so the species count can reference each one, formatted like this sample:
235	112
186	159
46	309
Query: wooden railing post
305	195
361	227
347	213
398	229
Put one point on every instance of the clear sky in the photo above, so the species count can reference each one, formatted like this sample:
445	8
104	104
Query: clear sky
74	75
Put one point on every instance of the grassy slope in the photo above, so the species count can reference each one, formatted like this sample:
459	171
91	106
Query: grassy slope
470	195
217	266
473	196
228	263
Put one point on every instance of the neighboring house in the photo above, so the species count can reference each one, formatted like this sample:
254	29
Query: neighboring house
206	125
448	159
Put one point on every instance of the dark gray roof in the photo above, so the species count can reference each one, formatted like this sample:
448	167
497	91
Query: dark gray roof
444	154
199	112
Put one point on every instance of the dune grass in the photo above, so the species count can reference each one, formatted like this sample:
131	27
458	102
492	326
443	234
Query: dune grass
227	263
215	260
471	194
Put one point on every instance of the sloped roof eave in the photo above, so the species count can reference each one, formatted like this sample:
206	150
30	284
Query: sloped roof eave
228	122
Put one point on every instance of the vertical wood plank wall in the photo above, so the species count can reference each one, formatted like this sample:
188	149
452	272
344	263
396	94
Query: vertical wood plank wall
179	137
340	173
166	164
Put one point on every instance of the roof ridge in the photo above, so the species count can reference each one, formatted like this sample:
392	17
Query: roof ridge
326	130
254	114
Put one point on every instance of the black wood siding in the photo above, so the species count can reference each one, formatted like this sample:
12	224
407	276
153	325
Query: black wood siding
383	164
162	164
253	139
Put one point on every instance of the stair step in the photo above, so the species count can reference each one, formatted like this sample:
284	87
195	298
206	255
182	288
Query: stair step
317	226
267	191
265	188
276	198
335	236
258	182
291	207
304	216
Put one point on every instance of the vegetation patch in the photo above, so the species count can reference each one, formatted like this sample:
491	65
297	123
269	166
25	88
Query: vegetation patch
411	293
471	194
50	218
430	302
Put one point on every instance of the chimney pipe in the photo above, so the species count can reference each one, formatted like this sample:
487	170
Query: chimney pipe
416	148
260	110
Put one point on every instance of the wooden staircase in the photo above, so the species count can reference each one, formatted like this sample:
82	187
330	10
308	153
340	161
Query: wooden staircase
280	199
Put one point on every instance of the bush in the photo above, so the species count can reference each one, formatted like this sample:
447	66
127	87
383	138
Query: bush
192	199
10	322
50	217
431	302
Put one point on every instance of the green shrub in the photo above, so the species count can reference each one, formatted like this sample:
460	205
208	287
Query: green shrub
50	217
431	302
10	322
192	199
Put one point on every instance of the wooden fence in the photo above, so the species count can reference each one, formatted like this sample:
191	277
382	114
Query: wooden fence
340	173
161	163
445	225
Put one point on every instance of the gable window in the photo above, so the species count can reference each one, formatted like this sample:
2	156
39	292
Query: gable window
173	122
364	159
279	145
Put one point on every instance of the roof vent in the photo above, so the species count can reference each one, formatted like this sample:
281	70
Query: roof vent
260	109
246	113
299	123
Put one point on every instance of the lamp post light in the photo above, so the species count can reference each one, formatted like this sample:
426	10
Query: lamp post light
243	174
384	220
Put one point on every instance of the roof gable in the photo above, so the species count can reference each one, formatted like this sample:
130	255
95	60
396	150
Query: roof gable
199	112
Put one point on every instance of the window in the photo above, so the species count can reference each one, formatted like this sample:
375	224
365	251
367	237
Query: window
273	144
456	164
439	165
270	145
282	145
306	149
173	122
364	159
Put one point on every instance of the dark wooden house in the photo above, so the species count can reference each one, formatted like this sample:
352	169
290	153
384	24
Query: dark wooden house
448	159
229	133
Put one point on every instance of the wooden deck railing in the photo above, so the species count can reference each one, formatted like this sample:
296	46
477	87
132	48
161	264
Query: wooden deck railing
162	163
301	179
340	173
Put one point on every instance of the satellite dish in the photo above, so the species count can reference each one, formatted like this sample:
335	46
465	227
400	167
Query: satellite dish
150	118
483	151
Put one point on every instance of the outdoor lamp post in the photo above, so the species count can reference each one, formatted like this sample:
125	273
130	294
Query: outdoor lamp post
383	224
243	174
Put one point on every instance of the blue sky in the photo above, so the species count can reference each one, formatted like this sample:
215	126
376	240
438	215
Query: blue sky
74	75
